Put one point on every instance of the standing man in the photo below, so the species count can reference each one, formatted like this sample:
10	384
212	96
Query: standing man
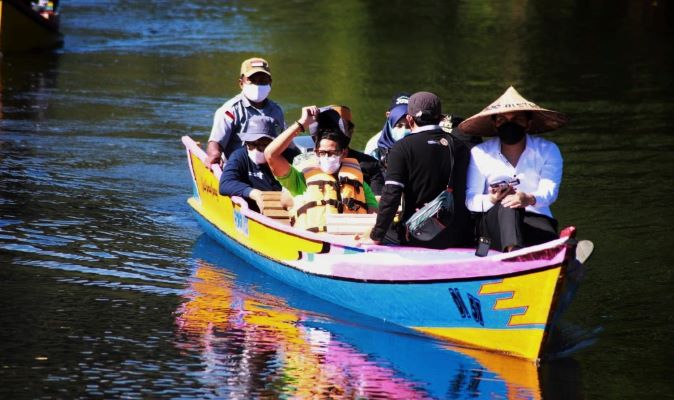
514	178
419	169
232	117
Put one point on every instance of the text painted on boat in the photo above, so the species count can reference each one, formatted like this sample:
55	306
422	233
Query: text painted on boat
241	222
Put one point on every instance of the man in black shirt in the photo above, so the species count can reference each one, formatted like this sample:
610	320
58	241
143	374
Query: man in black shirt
419	168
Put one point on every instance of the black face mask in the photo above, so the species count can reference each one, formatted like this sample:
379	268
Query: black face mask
510	133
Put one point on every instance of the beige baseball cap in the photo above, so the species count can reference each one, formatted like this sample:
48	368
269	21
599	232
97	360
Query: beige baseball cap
254	65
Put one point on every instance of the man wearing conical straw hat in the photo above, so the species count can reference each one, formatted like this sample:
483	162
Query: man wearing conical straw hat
514	178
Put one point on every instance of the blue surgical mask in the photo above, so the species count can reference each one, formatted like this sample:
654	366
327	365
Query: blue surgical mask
398	133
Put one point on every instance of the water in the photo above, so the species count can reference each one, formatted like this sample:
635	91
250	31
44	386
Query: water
108	288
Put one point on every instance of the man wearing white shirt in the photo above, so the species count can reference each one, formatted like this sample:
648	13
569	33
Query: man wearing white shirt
514	178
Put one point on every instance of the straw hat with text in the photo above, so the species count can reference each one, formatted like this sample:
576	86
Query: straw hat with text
542	120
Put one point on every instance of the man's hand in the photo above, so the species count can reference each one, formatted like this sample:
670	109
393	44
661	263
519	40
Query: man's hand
309	115
213	155
364	238
256	195
518	200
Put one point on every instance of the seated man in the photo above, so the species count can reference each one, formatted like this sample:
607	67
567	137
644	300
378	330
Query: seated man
246	173
339	118
514	212
328	183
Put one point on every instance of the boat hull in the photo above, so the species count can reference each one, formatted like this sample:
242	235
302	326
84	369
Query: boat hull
22	29
500	302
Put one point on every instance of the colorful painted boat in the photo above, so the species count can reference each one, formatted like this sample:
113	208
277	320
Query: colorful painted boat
22	28
506	302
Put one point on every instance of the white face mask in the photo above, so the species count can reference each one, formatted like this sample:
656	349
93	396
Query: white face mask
257	156
398	133
330	164
256	93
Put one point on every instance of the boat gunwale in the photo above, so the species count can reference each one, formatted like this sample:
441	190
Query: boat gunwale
379	281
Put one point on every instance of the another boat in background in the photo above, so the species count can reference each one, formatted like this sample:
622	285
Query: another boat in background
27	26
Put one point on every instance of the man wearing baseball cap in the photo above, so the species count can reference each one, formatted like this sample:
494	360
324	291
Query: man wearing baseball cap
230	119
246	173
419	169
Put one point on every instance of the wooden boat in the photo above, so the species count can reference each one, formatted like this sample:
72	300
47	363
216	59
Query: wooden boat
22	28
505	302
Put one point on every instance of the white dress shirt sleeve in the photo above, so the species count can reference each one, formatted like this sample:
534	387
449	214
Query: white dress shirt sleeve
550	175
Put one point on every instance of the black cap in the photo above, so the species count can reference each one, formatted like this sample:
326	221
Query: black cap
425	106
329	120
398	99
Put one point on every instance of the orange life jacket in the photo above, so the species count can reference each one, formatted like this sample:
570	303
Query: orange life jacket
326	194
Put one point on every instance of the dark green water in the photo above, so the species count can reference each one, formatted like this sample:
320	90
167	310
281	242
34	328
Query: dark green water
100	258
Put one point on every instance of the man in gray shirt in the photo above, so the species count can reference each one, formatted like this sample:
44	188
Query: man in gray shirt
230	119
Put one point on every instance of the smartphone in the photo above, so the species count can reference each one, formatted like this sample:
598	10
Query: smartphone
483	244
499	185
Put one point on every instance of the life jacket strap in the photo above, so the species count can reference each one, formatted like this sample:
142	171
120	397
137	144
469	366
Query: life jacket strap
353	182
353	204
323	184
312	204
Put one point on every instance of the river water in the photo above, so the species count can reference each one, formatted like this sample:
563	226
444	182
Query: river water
109	289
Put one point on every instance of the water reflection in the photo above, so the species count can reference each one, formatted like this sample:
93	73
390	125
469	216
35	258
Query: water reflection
34	76
258	337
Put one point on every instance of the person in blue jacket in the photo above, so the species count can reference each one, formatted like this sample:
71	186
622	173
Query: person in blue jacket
246	173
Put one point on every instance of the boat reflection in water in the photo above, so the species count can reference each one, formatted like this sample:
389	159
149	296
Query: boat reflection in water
258	337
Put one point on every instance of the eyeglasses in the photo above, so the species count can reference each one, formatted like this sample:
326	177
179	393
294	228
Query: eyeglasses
328	153
257	145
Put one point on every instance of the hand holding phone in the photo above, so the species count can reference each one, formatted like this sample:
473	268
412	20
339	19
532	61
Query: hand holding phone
309	115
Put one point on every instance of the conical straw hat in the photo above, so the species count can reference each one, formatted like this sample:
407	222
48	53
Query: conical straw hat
542	120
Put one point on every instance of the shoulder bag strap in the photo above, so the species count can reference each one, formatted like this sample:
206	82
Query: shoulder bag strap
450	147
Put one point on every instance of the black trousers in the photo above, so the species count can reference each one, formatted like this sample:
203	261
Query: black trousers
515	227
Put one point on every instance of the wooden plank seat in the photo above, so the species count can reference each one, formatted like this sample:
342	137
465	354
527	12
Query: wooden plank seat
272	208
350	224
